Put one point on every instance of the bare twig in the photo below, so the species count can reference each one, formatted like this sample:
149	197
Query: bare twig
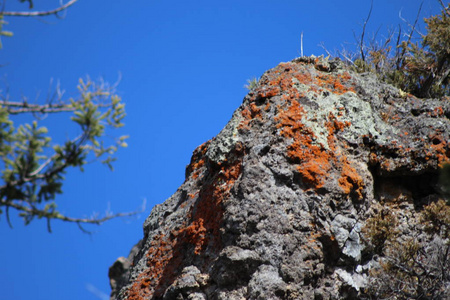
324	48
347	58
447	10
361	42
415	23
413	27
25	107
55	102
38	13
55	215
42	166
347	55
398	59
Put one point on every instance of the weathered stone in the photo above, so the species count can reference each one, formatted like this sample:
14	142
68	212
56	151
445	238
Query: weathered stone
119	272
274	207
184	284
341	227
266	284
353	246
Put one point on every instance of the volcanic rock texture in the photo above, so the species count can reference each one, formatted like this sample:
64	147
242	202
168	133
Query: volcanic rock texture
283	202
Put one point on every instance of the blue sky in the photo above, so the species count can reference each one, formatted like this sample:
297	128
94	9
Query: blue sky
183	66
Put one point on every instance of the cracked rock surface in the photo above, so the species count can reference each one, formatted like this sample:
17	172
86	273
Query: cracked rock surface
273	207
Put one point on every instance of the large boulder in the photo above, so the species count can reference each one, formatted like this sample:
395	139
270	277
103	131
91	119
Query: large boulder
281	203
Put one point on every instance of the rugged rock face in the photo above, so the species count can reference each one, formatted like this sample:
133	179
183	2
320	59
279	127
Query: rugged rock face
281	203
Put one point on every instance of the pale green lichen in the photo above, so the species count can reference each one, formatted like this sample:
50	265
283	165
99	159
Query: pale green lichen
226	140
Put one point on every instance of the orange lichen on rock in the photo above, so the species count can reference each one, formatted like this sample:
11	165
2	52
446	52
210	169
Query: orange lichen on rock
269	92
197	166
290	120
159	255
303	77
195	234
197	160
249	113
350	181
334	125
209	207
168	254
313	161
335	83
440	149
437	112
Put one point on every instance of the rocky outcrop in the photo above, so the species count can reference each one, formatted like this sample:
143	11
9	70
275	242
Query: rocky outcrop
282	203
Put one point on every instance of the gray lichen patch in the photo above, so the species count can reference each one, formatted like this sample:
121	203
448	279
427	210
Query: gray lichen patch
225	141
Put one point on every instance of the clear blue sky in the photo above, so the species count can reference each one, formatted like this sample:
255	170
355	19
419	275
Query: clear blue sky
183	66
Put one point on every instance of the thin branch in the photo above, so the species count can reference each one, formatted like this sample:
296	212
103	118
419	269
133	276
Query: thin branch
324	48
38	13
415	23
41	109
41	167
26	107
446	10
373	43
55	215
8	219
413	27
399	59
347	58
361	45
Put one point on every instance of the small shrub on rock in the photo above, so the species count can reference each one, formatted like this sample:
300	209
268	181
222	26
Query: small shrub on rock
379	229
419	68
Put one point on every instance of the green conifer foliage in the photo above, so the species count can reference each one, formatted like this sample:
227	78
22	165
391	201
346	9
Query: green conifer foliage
32	165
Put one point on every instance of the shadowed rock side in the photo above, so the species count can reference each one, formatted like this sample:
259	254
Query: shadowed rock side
274	206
